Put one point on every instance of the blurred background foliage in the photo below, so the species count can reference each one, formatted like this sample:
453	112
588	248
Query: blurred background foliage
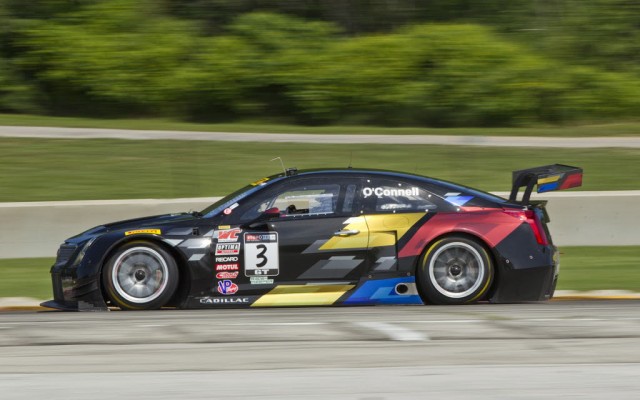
382	62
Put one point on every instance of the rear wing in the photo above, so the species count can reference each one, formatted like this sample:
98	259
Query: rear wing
548	178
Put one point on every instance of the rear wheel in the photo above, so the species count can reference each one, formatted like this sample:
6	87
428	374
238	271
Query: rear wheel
454	270
140	276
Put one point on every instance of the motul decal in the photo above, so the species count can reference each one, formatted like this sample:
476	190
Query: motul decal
227	267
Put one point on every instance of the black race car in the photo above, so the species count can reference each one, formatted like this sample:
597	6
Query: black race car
324	237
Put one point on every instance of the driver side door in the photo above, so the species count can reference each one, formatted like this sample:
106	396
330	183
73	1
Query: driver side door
313	239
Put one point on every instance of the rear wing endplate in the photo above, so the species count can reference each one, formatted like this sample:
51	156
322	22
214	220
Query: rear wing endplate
548	178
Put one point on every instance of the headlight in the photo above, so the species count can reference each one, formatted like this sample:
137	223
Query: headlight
80	255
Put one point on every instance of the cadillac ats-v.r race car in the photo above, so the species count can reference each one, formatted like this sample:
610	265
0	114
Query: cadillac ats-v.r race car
324	237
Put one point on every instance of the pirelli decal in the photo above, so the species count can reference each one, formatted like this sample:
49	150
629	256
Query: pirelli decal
143	231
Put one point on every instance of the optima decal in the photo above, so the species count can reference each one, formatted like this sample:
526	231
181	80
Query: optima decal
227	249
381	192
144	231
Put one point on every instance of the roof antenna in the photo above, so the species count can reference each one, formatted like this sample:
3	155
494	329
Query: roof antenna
281	163
350	159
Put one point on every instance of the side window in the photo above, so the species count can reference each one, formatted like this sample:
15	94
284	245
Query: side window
307	200
306	197
389	196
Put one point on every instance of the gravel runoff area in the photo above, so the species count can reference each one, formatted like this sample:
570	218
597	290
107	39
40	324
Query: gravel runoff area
492	141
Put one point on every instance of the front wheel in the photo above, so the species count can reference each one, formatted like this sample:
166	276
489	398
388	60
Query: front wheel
140	276
454	270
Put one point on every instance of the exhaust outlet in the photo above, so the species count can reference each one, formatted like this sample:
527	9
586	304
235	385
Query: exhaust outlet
402	288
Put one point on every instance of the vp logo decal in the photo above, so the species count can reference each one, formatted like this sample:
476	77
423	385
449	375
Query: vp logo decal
227	287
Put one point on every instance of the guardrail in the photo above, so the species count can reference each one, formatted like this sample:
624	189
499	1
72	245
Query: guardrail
36	229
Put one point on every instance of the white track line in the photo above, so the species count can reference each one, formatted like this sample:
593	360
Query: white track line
394	332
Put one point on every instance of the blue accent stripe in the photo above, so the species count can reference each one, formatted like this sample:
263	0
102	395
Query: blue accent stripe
458	200
383	292
548	187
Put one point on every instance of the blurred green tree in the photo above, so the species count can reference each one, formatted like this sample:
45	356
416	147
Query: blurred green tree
393	62
119	53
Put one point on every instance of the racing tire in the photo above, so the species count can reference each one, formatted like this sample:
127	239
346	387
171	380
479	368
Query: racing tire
454	270
140	275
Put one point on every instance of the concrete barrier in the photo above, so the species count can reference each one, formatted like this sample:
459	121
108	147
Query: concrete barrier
36	229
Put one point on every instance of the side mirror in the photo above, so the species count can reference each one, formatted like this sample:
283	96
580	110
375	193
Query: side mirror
273	212
260	222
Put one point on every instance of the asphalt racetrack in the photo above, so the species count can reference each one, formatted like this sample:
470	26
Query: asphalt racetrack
571	349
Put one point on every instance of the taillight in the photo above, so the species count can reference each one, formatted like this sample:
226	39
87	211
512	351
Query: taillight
531	218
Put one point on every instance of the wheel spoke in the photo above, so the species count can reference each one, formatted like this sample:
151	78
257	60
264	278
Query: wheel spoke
457	270
127	283
140	275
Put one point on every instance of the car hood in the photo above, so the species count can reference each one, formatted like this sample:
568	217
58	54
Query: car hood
156	221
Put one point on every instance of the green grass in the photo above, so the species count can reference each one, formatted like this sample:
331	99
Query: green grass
618	129
582	268
65	169
26	277
596	268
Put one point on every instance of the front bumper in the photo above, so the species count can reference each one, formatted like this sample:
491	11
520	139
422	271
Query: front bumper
76	284
72	294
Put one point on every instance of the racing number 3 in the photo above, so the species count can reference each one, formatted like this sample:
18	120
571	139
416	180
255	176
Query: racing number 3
261	254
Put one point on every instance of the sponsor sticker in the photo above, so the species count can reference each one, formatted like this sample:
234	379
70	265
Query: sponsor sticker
230	209
261	237
227	275
228	235
261	280
222	227
144	231
382	192
226	259
227	267
227	249
260	182
224	300
261	255
227	287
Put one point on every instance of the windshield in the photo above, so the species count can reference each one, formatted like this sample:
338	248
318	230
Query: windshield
235	197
